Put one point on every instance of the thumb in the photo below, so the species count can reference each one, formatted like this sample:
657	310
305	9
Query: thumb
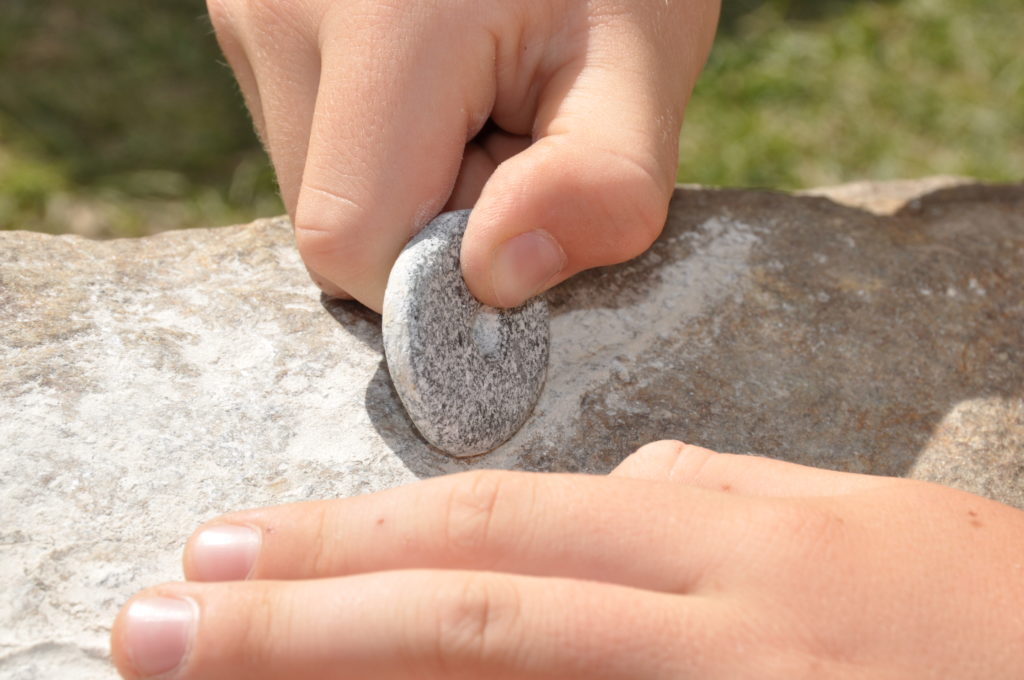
592	190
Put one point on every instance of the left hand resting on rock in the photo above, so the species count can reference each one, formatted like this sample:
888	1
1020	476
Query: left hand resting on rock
683	563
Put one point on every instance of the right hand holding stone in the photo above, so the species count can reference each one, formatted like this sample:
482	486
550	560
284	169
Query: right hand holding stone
372	113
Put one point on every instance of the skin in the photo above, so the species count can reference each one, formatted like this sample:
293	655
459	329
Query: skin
682	563
557	119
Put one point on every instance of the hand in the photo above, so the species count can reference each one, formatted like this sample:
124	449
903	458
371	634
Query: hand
374	112
683	563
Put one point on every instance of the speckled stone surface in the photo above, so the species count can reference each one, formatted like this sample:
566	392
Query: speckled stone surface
468	374
148	385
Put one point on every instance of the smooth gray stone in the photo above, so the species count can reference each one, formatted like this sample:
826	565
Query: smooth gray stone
468	374
147	385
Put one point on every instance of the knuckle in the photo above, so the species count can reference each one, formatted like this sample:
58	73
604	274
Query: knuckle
322	558
645	206
673	460
631	198
654	459
320	207
264	615
474	502
664	450
805	530
475	618
312	239
328	242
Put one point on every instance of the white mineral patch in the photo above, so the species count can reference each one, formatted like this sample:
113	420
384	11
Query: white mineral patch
586	342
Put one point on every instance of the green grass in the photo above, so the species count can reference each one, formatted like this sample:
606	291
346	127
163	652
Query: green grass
800	94
119	118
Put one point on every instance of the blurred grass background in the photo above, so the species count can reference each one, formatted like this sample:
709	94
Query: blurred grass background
120	119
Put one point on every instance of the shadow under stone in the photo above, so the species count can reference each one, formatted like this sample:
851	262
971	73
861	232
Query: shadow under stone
361	322
849	339
392	423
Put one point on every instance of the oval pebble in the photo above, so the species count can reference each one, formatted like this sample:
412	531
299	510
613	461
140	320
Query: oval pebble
468	374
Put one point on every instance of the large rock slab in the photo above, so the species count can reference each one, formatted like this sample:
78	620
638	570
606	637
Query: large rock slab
147	385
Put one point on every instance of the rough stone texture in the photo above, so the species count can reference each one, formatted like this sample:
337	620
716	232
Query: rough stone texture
468	374
147	385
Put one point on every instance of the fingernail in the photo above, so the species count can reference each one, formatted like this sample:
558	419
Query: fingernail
158	634
224	553
523	265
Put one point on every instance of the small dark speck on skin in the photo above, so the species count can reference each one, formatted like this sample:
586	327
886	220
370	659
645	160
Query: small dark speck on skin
727	487
380	521
975	522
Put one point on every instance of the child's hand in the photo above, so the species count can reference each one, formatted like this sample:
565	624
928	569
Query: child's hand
367	108
682	564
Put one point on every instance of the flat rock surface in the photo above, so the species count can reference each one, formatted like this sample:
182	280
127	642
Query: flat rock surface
147	385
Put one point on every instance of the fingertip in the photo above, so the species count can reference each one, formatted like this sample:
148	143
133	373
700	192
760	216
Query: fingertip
524	266
222	552
153	633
